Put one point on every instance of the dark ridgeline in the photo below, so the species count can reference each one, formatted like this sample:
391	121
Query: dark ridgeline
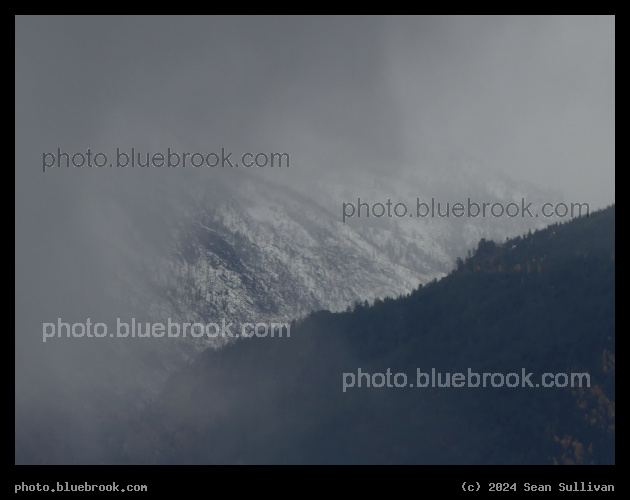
544	302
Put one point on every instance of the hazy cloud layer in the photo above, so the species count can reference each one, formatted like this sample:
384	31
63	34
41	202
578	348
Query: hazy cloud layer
532	97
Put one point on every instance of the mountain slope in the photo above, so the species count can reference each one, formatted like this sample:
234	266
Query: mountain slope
542	303
262	251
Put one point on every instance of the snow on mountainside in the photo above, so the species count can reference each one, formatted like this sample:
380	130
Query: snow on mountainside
257	256
424	244
256	251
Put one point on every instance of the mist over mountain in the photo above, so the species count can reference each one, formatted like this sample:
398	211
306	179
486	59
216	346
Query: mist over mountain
373	112
247	251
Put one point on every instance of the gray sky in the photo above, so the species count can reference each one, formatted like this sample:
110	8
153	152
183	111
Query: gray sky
530	96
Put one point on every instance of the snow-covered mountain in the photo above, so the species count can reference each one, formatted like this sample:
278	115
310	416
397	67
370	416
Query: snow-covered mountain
261	251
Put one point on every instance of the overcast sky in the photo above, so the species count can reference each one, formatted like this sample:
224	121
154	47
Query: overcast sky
531	96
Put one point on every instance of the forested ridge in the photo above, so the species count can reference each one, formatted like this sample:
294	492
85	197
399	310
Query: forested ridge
543	302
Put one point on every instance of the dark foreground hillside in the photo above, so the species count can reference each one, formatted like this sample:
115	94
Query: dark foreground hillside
542	303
